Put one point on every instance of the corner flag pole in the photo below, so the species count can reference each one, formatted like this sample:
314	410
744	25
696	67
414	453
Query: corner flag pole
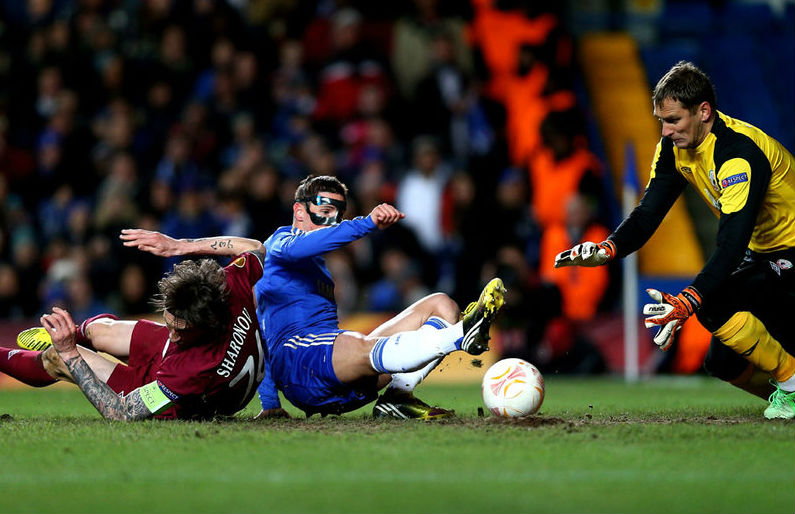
629	194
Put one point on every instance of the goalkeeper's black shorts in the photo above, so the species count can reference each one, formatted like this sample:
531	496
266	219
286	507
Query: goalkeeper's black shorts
764	285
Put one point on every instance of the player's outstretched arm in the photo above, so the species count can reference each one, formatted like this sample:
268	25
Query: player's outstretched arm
587	254
166	246
62	330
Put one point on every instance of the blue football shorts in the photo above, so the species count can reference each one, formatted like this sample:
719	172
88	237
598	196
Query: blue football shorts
302	370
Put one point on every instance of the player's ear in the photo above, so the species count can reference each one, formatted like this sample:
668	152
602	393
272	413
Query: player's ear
704	111
298	211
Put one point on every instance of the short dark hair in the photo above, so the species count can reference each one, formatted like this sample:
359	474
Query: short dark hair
196	291
311	186
685	83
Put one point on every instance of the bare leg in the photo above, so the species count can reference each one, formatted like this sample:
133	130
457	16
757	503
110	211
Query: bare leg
55	366
412	318
111	336
351	355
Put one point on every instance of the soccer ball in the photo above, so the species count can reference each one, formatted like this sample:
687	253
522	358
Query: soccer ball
512	388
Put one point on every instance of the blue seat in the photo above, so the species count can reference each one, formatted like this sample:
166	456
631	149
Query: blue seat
778	64
743	88
659	58
685	19
745	17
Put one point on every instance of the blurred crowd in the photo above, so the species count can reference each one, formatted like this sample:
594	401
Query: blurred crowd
199	117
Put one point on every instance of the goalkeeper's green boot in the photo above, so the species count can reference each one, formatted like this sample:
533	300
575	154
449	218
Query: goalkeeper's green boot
479	315
401	405
36	339
782	404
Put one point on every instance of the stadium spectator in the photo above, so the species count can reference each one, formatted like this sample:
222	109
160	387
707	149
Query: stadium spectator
413	38
743	293
531	304
420	194
582	289
401	283
513	221
562	167
190	368
351	67
442	98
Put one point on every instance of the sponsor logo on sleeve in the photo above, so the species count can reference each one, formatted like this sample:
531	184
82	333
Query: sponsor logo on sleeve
734	179
686	169
784	264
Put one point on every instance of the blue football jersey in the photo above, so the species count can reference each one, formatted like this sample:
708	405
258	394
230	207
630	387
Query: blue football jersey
296	293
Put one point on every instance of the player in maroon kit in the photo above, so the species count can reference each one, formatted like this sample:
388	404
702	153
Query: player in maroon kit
207	359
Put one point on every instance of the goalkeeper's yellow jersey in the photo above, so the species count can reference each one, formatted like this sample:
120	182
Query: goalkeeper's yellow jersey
720	170
746	177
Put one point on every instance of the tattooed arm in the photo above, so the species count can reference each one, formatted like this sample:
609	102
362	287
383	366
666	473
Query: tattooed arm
165	246
107	402
62	330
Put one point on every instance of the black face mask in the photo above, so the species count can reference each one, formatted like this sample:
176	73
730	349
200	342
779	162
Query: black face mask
340	205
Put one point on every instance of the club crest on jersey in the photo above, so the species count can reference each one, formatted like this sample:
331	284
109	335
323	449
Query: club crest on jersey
686	169
239	262
784	264
734	179
713	180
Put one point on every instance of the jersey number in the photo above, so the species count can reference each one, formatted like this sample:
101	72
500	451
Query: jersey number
249	369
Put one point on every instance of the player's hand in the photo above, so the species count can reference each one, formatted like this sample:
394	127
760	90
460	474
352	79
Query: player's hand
385	215
272	413
150	241
62	330
587	254
670	313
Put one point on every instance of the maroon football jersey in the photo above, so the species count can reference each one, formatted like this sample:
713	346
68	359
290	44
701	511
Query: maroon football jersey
221	377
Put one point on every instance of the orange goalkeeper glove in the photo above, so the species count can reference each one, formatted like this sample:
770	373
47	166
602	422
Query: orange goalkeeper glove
670	313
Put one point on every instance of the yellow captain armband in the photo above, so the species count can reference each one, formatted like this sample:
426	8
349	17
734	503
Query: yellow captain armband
154	398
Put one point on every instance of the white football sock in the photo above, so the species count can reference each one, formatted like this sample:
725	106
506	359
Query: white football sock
410	351
788	385
406	382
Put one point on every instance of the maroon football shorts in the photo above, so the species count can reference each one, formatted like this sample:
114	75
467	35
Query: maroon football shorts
146	353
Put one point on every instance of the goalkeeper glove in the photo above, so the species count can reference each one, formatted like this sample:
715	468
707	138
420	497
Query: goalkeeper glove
670	313
587	254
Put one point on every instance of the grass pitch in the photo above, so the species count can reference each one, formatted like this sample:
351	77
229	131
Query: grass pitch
667	445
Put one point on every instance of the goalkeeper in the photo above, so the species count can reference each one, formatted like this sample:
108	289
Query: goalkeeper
745	291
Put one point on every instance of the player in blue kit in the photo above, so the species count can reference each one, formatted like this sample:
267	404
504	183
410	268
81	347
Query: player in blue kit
321	368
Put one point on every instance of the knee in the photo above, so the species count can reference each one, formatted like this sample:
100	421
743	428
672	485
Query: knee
441	305
54	365
99	331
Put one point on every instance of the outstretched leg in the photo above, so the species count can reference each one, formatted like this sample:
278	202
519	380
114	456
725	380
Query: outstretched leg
747	335
412	354
40	369
104	333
